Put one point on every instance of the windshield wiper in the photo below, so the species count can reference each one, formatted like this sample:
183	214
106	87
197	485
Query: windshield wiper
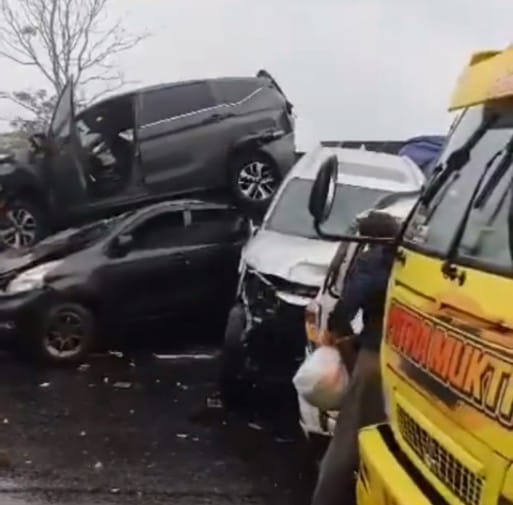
457	160
480	196
487	191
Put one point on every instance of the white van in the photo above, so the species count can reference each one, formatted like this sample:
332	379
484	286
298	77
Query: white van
285	262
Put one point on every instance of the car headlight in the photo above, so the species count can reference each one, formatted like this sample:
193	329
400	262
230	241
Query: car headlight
33	278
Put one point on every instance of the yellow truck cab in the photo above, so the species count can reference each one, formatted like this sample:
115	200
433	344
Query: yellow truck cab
447	351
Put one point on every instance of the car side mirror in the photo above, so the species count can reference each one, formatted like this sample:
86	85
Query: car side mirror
322	195
121	245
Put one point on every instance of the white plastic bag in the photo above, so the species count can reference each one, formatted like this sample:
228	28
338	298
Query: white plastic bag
322	378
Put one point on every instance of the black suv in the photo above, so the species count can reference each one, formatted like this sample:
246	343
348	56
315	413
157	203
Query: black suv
230	134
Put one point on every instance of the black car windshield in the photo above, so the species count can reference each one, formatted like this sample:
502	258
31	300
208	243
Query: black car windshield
291	216
86	235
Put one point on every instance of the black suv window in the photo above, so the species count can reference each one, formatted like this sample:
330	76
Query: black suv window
176	101
236	90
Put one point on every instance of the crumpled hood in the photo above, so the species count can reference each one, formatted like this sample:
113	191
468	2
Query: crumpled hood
296	259
52	248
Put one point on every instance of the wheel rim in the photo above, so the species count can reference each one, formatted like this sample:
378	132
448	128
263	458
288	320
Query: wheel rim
65	335
19	228
257	181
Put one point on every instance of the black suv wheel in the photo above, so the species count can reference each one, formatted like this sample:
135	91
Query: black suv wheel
22	224
254	180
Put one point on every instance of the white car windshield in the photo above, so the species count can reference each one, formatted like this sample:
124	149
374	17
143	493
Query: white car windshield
291	216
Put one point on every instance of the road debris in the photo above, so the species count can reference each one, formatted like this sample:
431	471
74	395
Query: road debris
83	433
182	435
44	385
84	367
117	354
122	385
214	403
255	426
184	356
98	466
5	421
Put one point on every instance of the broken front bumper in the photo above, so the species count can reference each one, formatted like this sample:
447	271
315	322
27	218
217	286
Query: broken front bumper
275	334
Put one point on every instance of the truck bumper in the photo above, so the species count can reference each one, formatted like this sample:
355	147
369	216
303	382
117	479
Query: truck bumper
383	478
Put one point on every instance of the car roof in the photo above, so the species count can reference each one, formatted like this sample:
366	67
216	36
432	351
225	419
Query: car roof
392	168
182	204
157	87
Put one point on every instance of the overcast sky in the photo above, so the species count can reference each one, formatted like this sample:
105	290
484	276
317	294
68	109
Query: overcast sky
353	68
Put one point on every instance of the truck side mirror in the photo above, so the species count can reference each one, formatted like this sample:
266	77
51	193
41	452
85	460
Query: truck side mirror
322	195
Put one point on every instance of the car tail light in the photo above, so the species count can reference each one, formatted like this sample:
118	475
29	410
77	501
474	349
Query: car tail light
312	322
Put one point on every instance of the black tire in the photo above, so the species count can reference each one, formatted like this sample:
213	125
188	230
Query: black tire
249	164
24	224
75	320
234	383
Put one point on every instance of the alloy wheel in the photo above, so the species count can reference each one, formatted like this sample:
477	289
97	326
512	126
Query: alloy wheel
18	229
66	335
257	181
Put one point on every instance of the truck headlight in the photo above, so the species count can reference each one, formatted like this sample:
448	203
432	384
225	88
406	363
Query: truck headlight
32	278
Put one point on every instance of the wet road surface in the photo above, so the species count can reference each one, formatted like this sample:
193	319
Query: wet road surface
137	430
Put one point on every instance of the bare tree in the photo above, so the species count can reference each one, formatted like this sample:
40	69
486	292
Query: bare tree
62	38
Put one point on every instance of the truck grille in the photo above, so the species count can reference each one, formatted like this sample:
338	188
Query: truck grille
465	484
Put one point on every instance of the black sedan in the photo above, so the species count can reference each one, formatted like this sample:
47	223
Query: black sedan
75	289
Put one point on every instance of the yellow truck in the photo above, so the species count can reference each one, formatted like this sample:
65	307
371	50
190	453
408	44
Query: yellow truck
447	352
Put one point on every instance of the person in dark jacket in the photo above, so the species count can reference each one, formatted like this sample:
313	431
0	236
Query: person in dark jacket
364	289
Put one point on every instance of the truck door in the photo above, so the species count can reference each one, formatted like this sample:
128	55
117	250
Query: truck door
66	160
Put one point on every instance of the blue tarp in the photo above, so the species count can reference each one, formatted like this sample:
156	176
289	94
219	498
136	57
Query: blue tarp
424	151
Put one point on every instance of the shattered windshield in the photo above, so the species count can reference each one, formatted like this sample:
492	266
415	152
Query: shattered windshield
486	234
291	216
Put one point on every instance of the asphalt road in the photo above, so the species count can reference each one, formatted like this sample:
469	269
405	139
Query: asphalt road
142	430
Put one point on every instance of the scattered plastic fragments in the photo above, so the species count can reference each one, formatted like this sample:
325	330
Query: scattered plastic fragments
5	421
98	466
255	426
83	433
182	435
122	385
117	354
214	403
84	367
44	385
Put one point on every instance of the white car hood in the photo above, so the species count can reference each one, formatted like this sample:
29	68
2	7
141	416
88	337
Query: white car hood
296	259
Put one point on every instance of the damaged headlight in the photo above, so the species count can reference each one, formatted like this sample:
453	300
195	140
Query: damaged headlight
32	278
259	293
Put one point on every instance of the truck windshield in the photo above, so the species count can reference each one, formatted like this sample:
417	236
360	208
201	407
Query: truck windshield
485	241
290	215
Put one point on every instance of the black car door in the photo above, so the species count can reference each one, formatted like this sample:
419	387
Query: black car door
179	148
66	161
214	241
144	282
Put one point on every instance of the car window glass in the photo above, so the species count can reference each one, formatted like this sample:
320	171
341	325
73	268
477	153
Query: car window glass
161	231
291	216
486	236
61	123
430	229
216	226
236	90
176	101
